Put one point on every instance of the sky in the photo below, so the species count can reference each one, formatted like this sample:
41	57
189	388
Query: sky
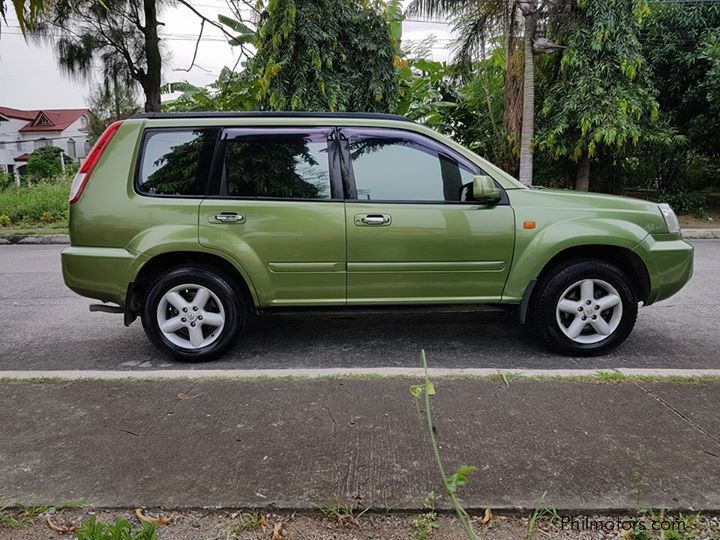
31	79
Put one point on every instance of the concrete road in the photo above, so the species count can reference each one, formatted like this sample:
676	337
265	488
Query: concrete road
47	327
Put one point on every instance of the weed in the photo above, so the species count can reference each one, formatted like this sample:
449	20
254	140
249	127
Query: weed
424	524
342	513
247	521
610	376
20	515
120	529
459	477
39	203
4	220
539	514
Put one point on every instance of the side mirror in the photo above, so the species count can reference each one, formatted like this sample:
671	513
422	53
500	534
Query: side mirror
485	190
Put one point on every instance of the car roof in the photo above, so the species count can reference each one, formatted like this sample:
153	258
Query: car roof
272	114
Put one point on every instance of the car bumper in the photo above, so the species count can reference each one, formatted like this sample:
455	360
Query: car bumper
101	273
669	261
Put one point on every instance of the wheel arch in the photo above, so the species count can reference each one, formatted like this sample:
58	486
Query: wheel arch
625	259
158	263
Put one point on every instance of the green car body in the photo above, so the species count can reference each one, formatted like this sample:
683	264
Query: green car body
306	253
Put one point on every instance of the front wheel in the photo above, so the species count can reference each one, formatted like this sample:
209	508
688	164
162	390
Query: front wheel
587	308
193	314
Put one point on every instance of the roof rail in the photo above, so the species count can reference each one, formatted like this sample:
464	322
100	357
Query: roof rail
272	114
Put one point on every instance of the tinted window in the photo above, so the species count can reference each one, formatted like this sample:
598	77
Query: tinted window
398	166
177	162
278	165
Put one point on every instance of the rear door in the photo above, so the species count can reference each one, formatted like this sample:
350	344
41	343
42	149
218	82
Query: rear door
414	234
277	209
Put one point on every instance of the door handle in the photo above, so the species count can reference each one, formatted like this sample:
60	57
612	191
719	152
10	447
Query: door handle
230	217
372	219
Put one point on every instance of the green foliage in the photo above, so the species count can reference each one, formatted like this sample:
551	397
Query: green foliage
6	180
230	92
602	99
120	529
109	103
426	523
683	202
325	55
30	203
45	162
4	220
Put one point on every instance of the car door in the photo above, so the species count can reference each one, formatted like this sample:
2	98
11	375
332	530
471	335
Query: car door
414	234
278	211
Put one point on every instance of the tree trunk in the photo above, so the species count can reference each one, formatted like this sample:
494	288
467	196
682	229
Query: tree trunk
528	118
151	83
582	180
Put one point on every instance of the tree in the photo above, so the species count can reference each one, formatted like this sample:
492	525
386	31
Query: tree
602	99
45	162
120	35
317	55
108	103
682	47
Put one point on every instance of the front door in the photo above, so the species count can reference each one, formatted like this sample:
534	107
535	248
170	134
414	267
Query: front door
278	211
414	234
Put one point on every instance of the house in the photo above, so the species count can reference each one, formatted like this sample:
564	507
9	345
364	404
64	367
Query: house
22	132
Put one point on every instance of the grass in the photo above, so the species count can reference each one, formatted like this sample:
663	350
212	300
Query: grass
120	529
17	515
342	513
44	203
539	514
598	377
247	521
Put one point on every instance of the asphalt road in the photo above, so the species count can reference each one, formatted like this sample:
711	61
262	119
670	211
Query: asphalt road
45	326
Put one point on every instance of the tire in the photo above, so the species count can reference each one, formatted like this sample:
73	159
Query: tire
558	324
197	327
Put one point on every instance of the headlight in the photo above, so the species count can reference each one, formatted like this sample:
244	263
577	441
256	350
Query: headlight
671	220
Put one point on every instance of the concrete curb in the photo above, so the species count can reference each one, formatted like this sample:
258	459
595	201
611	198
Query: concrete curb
700	234
32	239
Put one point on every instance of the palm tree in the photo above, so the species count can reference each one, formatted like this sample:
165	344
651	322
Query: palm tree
481	21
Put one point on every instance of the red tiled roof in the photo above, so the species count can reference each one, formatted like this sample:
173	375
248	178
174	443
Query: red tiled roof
23	157
17	113
59	118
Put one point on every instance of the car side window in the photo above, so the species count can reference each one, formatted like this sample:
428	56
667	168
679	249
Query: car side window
176	162
394	165
277	164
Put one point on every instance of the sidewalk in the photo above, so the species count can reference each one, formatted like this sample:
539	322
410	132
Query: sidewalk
292	444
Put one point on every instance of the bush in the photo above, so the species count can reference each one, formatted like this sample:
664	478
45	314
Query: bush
6	181
45	162
4	220
683	202
46	202
121	529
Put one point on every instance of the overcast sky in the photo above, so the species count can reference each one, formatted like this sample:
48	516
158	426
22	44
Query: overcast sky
30	78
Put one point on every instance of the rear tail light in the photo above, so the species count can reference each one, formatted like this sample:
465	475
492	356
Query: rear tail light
83	175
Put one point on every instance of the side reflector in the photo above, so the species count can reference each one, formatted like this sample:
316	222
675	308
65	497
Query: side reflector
83	175
529	225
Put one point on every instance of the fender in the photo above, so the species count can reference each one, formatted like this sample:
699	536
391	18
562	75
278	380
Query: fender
534	248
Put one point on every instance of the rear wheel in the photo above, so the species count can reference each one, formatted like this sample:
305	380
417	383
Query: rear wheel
587	308
193	313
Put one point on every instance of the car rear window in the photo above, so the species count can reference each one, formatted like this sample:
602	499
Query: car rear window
277	165
176	162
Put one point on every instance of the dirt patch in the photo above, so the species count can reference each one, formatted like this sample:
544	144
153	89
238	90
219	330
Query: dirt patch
241	525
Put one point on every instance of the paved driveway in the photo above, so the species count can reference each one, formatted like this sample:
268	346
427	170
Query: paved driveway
47	327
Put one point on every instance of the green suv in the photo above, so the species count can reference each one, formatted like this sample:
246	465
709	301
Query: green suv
195	221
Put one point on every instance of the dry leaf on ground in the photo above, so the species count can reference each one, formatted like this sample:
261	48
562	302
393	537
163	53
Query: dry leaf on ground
148	518
62	529
487	517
